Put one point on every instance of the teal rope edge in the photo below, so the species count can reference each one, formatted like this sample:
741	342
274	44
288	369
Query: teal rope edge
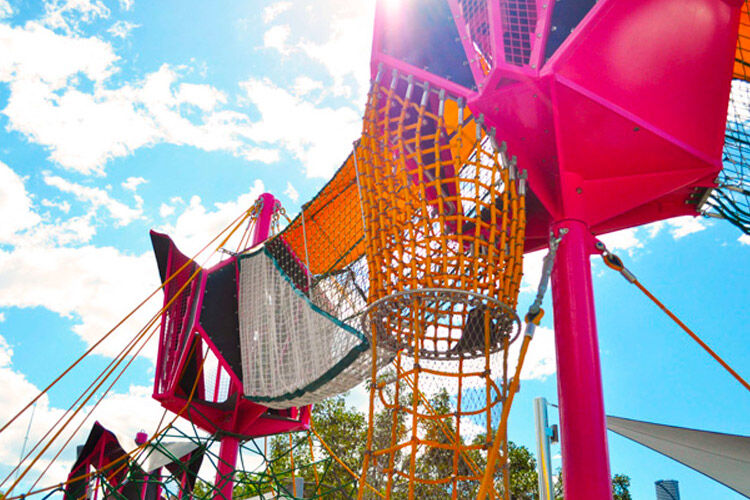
336	369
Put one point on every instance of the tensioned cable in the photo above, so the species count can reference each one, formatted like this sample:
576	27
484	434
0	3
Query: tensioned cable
98	342
117	361
614	262
140	449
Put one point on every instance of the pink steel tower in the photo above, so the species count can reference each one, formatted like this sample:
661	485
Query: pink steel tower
616	109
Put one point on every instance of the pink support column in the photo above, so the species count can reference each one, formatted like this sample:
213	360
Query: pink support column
230	445
263	224
583	430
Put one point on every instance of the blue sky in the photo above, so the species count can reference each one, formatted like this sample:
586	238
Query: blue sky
117	117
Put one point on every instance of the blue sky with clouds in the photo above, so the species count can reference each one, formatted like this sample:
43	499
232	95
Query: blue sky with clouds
120	116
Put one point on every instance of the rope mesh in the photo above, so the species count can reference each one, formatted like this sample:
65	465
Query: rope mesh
474	13
731	198
295	350
444	218
519	22
266	469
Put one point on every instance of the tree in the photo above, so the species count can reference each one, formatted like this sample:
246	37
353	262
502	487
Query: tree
620	487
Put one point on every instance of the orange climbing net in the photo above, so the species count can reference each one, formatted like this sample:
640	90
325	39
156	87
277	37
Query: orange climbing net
444	218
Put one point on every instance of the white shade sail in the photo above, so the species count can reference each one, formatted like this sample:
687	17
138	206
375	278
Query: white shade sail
722	457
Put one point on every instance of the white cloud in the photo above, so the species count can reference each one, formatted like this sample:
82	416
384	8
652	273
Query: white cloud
15	203
126	4
33	53
5	9
350	37
166	210
2	318
275	10
132	183
291	193
122	29
204	97
196	225
277	37
303	85
744	239
683	226
540	360
532	270
98	198
96	286
68	15
63	206
84	130
320	137
625	239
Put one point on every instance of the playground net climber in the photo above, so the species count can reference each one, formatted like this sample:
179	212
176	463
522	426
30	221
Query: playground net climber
444	219
403	272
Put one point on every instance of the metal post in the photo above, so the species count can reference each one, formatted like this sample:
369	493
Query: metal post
230	445
263	224
583	432
544	464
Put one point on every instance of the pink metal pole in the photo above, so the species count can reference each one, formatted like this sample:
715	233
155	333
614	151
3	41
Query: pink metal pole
230	445
583	428
263	224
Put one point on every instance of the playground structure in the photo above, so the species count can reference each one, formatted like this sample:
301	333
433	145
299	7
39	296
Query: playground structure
404	270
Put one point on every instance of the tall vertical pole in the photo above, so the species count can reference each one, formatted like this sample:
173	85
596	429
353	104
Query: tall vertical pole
263	223
544	462
583	432
230	445
228	450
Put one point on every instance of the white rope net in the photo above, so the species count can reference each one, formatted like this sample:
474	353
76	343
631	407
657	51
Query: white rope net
295	349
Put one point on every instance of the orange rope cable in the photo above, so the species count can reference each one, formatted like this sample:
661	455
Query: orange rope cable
342	464
693	335
70	408
117	362
98	342
96	405
57	434
614	262
138	450
501	430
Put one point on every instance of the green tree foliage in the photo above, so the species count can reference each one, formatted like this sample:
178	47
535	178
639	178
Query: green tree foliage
620	487
344	429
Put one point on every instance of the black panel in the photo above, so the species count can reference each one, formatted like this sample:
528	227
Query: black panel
161	244
187	467
423	34
565	16
189	374
218	315
288	262
133	489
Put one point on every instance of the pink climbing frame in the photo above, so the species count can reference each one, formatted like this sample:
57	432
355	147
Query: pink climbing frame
622	125
214	407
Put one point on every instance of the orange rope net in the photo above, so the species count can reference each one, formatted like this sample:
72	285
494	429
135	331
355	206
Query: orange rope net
444	219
